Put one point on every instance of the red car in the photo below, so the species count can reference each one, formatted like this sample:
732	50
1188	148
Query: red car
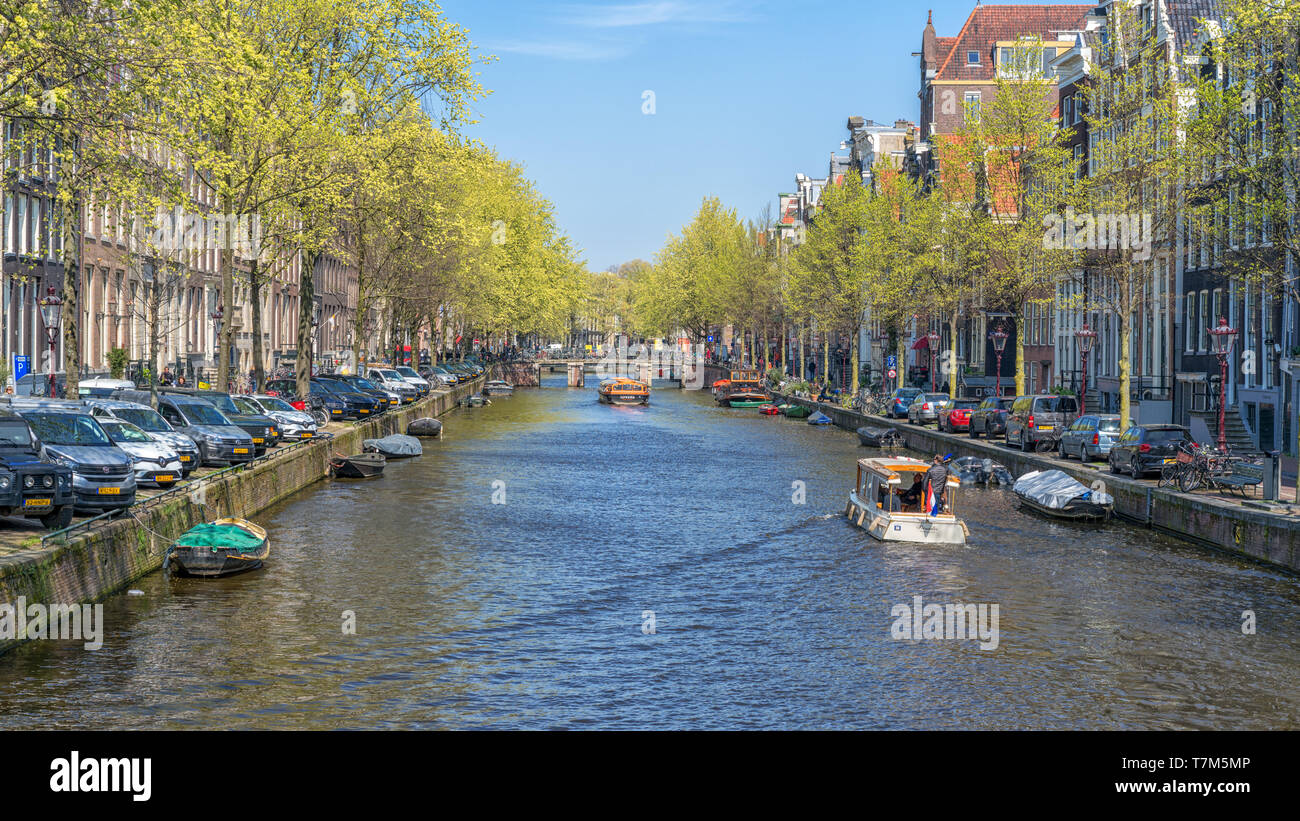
956	416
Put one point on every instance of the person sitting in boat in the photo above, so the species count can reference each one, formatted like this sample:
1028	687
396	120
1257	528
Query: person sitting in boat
912	497
886	498
937	478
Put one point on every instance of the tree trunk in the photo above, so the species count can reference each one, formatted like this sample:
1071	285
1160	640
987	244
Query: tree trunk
951	360
255	295
1020	354
71	314
803	358
1125	377
306	304
224	342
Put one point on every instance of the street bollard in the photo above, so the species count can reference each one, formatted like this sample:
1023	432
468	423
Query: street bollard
1272	475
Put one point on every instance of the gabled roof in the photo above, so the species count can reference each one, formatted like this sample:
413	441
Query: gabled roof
1185	17
989	24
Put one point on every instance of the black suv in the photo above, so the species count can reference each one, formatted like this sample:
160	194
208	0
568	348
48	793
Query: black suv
28	486
265	433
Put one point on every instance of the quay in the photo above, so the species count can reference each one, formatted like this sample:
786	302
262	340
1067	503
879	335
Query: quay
1246	529
95	558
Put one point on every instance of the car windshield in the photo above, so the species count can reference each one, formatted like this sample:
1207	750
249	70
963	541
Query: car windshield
908	393
143	418
271	403
222	402
1055	404
124	432
1162	435
14	433
364	384
67	429
393	375
203	414
247	405
965	404
404	371
337	387
1109	426
936	397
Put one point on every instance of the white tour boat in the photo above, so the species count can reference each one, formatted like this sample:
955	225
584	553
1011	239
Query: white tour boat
876	507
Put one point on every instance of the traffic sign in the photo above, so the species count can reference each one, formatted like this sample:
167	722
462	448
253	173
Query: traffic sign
891	373
891	361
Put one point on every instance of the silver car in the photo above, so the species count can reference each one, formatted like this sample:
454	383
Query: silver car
1089	437
155	463
926	406
151	422
295	424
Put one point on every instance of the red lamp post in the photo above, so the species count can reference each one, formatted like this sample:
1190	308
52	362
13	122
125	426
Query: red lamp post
932	340
999	338
1087	338
51	309
1224	336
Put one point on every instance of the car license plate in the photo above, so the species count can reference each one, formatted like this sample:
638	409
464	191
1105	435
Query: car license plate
110	491
33	503
306	434
336	411
164	477
257	440
185	457
1169	461
1047	427
241	450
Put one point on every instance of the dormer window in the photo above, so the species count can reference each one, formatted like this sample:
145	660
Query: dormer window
972	58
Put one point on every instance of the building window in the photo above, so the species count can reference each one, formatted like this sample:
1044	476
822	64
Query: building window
1191	321
972	58
1067	111
972	106
1203	338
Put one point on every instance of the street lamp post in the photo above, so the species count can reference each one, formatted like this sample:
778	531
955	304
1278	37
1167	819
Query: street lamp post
932	341
51	310
1087	338
216	348
1224	336
999	338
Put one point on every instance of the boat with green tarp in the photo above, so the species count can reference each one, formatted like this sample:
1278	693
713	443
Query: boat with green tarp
794	411
220	548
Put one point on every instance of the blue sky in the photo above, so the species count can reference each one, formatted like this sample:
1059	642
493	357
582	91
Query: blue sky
746	93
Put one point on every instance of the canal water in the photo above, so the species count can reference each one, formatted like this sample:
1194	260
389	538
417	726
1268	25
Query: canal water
509	578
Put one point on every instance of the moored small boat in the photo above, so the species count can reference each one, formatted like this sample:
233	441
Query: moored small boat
795	411
880	437
623	391
769	410
497	387
396	446
427	427
360	466
1059	495
981	471
877	504
741	389
221	548
820	418
476	400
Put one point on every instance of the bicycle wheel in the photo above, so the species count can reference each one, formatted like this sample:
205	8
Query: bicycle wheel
1191	478
1168	476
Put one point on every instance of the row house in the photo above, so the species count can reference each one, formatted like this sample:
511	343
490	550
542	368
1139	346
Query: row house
131	286
958	75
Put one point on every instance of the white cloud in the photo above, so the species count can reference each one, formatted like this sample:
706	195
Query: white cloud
559	50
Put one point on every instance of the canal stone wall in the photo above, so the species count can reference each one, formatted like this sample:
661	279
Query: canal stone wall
1217	523
103	559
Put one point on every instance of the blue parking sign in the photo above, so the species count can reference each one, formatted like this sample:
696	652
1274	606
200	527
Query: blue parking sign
21	367
891	361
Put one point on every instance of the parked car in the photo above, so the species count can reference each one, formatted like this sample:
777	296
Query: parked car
990	417
390	397
265	433
293	423
155	463
101	387
442	375
220	441
38	384
152	423
899	401
332	405
358	405
413	378
1090	437
1039	418
103	475
956	415
1146	448
925	407
28	486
